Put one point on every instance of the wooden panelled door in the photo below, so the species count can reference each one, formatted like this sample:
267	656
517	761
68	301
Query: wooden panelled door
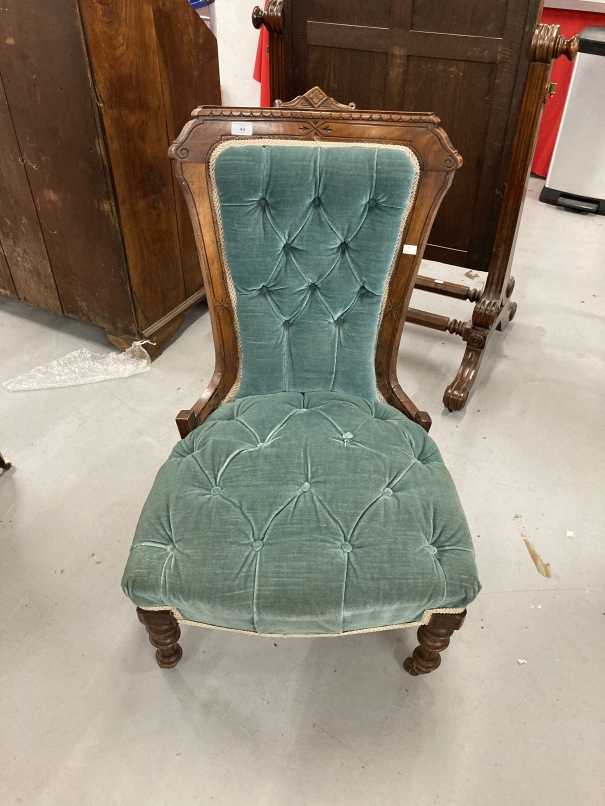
464	60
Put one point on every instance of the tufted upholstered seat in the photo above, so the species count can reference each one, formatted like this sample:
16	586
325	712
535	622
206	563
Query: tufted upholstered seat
302	503
303	513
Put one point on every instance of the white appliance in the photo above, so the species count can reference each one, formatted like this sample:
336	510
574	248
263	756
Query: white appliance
576	177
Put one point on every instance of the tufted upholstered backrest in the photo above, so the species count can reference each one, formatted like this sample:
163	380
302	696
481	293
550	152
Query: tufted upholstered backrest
310	233
310	220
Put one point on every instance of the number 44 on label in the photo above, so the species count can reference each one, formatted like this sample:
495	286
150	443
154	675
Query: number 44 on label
241	129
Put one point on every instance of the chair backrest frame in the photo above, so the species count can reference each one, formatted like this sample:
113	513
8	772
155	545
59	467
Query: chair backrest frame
312	116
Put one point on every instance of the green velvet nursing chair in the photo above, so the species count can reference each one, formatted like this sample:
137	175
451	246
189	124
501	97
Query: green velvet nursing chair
305	497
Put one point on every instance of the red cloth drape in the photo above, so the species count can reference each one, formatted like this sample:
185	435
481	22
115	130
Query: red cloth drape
571	22
261	66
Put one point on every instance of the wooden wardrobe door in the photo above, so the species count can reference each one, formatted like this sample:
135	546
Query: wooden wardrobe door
25	270
64	190
464	60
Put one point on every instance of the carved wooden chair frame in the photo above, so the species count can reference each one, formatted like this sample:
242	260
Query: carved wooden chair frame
312	116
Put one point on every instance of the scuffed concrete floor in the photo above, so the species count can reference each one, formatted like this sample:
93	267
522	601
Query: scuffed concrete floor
87	717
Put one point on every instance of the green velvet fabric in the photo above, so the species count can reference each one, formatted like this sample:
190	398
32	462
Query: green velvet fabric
306	506
316	512
310	233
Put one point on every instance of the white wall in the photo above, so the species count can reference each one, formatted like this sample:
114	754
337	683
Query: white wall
237	42
577	5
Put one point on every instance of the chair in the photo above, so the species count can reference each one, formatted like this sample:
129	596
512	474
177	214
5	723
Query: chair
306	497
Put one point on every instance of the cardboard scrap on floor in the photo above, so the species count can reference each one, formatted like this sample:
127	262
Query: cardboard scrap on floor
542	567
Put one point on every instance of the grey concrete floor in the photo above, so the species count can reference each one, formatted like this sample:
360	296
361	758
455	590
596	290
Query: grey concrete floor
87	717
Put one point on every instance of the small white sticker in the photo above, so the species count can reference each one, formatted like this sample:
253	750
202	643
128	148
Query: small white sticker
241	128
409	249
438	282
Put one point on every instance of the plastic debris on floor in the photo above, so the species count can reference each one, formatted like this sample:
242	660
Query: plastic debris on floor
83	366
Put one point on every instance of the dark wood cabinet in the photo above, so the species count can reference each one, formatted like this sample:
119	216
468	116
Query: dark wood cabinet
464	60
92	223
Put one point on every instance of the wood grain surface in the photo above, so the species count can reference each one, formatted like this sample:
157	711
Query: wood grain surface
45	71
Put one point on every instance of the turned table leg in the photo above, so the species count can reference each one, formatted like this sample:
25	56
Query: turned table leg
164	633
433	637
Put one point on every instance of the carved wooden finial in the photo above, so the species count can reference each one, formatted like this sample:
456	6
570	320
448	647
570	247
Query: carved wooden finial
272	17
314	98
548	43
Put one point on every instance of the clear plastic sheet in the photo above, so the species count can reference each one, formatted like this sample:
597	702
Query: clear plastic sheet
83	366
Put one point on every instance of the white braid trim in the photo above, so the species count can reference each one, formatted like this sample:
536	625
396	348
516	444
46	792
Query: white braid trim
425	620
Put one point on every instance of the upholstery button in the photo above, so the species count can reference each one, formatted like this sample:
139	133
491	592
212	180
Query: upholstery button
215	491
263	202
344	246
339	322
372	202
312	287
432	550
257	545
316	201
387	491
347	435
263	290
287	248
286	324
305	486
346	547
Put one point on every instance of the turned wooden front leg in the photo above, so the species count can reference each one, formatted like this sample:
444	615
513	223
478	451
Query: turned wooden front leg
164	633
433	637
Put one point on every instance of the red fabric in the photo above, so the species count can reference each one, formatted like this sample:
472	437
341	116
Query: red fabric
261	66
571	22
